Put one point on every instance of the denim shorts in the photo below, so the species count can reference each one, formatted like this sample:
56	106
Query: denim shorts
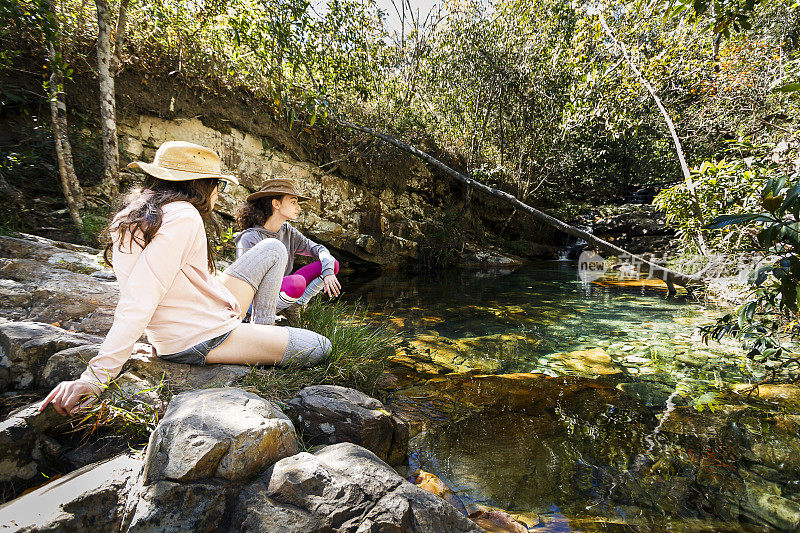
196	355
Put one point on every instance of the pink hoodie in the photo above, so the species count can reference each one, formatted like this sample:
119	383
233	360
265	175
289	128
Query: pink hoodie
167	292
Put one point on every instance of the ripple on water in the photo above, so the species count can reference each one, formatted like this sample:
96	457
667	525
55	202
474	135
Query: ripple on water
589	465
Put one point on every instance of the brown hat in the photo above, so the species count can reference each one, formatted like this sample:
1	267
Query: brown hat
183	161
276	187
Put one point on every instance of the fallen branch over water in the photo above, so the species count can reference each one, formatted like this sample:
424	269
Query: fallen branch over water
671	277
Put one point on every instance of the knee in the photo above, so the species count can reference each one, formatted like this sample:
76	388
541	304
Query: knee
272	247
294	285
335	266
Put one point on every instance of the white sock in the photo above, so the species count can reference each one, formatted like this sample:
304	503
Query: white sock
284	301
312	289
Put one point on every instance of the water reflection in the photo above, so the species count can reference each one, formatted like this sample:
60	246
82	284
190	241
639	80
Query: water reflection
639	427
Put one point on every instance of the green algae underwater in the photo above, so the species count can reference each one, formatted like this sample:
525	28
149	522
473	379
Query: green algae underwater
586	407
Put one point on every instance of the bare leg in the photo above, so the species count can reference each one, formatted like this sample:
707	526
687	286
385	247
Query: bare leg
240	289
251	344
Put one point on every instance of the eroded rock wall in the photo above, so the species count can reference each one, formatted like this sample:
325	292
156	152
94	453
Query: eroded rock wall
381	226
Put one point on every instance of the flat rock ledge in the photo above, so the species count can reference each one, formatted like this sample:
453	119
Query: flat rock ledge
226	460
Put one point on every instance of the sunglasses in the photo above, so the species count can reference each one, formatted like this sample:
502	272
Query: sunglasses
221	185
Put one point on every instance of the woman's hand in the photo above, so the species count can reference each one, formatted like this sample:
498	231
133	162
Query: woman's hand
332	286
70	396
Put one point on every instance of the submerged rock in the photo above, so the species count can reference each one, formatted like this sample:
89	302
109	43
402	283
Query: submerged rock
594	362
226	433
327	414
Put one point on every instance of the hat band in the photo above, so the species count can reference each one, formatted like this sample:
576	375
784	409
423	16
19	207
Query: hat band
185	167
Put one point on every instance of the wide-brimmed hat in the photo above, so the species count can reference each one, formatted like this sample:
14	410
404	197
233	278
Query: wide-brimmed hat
275	187
182	161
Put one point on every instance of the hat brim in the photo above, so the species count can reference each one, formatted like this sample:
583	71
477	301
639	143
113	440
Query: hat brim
178	175
261	194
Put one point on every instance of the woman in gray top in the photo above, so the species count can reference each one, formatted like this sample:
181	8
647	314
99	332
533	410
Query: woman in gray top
265	215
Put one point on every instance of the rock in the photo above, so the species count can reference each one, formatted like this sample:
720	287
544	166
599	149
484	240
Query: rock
327	414
179	377
497	520
434	485
26	444
594	362
67	365
166	506
651	394
88	499
343	487
693	359
48	281
765	506
225	433
784	394
25	347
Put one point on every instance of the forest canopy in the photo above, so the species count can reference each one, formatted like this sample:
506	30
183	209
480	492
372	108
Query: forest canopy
529	96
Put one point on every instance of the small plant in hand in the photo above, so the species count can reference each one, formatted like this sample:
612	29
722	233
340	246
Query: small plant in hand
768	323
129	414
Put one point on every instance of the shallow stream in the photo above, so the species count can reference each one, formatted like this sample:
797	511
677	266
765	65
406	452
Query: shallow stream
586	407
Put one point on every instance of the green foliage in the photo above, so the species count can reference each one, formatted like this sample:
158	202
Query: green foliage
724	15
127	412
360	351
769	322
443	242
729	186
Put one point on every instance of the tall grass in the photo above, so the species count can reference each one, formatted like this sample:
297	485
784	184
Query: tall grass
360	351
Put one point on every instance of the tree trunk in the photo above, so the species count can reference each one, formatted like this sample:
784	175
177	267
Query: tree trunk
669	276
73	193
108	118
687	176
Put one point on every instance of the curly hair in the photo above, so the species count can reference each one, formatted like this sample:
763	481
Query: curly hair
141	223
255	213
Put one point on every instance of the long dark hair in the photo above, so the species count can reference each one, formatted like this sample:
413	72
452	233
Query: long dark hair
256	213
141	223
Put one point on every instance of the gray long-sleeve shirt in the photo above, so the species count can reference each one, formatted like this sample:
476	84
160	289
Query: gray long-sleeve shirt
295	242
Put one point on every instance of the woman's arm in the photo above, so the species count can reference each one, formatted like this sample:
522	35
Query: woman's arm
247	239
307	247
151	277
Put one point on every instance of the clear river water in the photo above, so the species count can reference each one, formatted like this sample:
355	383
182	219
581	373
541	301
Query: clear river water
585	407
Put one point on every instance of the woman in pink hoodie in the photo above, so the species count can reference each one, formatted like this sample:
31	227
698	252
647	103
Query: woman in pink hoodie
163	261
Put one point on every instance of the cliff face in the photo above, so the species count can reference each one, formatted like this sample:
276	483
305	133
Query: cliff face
370	202
377	225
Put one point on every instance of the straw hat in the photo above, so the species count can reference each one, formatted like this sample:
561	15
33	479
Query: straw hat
182	161
275	187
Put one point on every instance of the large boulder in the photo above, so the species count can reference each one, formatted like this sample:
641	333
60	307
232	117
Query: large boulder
26	346
167	506
55	282
27	444
327	414
89	499
342	487
226	433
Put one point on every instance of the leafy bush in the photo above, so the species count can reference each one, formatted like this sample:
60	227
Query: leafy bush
768	324
729	186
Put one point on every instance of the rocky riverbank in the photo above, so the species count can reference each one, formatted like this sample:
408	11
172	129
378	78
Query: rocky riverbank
608	424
